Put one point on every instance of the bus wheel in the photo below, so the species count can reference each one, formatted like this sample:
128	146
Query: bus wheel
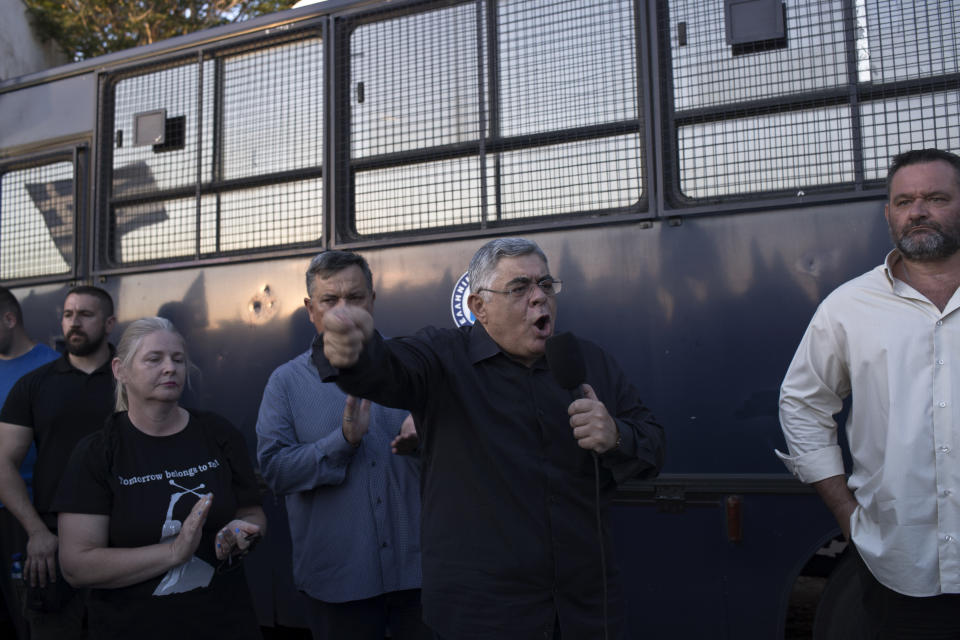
840	611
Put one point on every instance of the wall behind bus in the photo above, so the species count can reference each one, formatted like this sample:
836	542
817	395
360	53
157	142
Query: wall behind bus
21	51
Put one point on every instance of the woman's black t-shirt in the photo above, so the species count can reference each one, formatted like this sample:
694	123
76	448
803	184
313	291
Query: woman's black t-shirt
148	485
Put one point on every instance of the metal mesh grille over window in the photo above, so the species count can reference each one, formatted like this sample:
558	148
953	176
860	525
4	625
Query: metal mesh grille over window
477	114
853	83
36	221
238	167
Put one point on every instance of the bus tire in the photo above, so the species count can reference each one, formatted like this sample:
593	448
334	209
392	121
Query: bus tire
840	614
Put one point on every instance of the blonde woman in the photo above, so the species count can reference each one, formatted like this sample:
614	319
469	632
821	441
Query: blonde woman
156	509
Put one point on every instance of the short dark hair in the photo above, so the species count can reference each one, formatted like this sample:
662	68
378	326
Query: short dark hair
922	156
327	263
10	304
106	302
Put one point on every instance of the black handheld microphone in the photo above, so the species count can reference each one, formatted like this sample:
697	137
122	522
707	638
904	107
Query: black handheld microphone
566	362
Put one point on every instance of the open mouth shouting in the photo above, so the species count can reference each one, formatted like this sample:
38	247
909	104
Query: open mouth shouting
543	325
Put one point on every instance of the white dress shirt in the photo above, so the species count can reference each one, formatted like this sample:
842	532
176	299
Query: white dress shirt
877	338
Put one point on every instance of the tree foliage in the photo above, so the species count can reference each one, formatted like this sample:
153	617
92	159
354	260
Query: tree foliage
88	28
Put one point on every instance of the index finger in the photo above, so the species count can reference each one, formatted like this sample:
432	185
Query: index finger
349	409
200	511
51	561
30	572
364	411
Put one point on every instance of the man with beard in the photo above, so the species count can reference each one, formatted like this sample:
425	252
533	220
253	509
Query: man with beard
18	355
510	505
888	339
54	407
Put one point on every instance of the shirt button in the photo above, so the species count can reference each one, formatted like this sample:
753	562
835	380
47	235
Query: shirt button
384	545
947	492
943	404
948	538
944	449
940	361
939	323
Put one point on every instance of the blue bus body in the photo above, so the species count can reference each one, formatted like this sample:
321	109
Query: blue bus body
700	180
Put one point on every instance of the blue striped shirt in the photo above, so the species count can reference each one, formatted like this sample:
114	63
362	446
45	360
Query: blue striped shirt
354	512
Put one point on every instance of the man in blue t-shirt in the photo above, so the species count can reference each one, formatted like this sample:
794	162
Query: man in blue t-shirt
18	355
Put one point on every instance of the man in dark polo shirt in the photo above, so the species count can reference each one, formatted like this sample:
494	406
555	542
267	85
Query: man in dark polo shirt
510	543
55	406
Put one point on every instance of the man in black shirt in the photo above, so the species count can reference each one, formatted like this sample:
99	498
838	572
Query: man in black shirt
510	546
55	406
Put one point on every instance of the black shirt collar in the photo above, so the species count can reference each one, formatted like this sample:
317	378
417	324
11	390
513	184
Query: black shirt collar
63	364
482	346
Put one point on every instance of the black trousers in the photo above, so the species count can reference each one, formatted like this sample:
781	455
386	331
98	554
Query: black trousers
13	539
894	616
369	619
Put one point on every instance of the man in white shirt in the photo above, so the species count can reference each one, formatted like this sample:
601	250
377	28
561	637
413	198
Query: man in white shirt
888	338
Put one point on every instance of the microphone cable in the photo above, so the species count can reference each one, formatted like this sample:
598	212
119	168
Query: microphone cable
603	555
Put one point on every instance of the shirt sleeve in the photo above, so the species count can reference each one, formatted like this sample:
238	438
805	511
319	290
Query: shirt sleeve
813	390
85	487
641	450
288	465
395	373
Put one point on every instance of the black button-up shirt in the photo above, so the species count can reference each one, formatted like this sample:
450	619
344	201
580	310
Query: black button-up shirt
509	515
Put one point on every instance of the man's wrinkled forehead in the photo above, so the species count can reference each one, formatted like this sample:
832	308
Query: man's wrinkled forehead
518	268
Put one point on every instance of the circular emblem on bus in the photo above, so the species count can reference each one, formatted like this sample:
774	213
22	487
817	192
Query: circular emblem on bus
458	302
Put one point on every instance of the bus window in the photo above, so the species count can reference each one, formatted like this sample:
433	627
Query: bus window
142	170
443	193
764	152
414	82
273	110
460	120
707	72
151	231
604	173
909	40
566	65
908	122
243	173
37	221
856	83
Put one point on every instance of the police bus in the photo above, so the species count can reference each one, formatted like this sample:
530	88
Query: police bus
701	174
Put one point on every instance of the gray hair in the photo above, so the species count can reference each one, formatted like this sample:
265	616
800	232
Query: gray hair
327	263
483	266
130	343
